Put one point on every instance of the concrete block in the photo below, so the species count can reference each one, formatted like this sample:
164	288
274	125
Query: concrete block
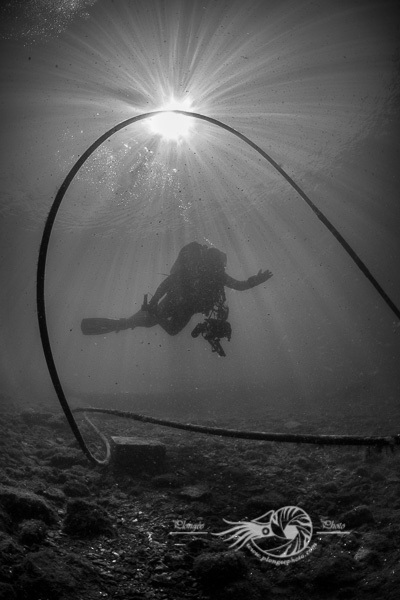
137	454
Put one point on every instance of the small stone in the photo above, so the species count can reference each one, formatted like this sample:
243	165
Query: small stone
366	555
21	504
75	489
7	592
334	572
292	425
54	494
362	472
58	422
195	492
218	569
86	519
137	454
259	505
47	574
5	521
305	464
35	418
167	480
162	579
32	532
378	476
66	459
360	515
330	487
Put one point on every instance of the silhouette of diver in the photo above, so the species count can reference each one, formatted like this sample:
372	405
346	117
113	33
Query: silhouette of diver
196	284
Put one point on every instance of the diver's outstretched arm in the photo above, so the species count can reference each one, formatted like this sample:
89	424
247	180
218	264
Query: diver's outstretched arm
261	277
249	283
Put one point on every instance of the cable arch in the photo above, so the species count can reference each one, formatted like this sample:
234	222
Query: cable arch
43	250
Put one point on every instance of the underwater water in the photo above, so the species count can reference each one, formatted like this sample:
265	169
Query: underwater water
314	86
314	350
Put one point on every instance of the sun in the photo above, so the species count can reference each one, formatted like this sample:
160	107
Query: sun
170	125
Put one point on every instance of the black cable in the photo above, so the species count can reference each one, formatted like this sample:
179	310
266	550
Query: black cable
346	246
297	438
41	267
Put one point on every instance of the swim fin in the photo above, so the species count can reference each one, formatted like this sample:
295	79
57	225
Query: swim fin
99	326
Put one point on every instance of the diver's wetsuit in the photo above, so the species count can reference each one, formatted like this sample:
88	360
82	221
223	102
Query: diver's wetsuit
178	298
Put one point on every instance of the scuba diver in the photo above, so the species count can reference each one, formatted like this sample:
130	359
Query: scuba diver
196	284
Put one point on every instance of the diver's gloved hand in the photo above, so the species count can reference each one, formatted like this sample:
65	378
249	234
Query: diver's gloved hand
261	277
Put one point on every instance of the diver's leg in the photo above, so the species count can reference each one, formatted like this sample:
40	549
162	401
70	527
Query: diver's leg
143	318
172	324
175	323
172	320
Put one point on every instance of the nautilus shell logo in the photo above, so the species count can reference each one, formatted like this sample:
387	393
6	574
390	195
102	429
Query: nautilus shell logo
278	534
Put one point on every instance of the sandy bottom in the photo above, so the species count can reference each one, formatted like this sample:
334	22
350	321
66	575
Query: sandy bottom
70	531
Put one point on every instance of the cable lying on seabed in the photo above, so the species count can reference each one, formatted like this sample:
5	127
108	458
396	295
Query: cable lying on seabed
105	461
296	438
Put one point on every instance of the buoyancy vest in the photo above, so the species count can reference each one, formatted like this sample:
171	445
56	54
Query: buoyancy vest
201	272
